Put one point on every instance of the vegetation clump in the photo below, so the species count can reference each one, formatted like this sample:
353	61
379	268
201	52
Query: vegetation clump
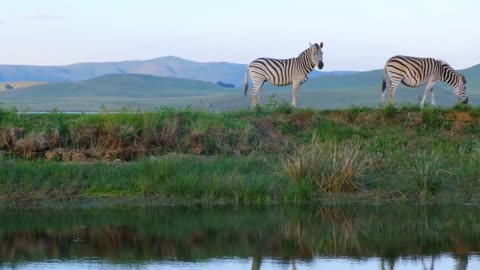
328	166
272	154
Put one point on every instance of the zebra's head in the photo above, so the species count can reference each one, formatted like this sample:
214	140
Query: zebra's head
456	80
316	54
463	90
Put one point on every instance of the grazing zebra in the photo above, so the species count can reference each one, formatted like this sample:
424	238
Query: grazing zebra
283	72
414	72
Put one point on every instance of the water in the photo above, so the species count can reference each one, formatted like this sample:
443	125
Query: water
304	237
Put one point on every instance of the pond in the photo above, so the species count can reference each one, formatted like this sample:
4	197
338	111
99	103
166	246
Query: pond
229	237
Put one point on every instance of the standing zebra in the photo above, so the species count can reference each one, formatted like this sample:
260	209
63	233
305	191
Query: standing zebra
414	72
282	72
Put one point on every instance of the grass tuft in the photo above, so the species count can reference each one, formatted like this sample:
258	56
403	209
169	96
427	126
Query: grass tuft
329	166
429	175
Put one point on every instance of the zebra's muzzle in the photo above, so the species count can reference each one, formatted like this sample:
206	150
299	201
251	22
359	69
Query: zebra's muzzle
320	65
465	101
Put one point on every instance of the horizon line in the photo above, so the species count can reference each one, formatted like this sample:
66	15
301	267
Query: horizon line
181	58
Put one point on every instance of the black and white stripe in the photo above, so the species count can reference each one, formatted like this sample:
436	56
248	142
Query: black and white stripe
414	72
282	72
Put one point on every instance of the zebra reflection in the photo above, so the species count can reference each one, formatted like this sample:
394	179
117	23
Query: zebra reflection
257	262
461	263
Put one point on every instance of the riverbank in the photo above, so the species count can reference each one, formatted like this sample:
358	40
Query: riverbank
271	155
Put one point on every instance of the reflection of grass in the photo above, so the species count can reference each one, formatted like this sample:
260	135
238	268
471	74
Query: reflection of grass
201	233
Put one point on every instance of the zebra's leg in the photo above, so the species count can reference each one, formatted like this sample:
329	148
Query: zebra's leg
428	90
295	88
304	80
257	86
382	99
391	90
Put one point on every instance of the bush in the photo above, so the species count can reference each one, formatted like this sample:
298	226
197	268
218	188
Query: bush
429	176
460	107
389	111
9	87
433	119
328	166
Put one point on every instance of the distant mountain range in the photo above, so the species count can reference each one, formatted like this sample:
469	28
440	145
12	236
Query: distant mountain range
136	91
121	85
169	66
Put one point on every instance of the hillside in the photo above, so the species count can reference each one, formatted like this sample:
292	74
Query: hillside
149	92
169	66
115	90
125	85
18	85
164	66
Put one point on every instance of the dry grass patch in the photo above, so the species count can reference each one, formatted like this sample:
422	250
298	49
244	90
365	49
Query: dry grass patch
330	166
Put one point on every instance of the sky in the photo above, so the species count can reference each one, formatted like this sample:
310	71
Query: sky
357	35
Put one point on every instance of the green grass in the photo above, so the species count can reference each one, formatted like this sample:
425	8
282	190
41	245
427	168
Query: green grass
178	178
430	174
327	167
272	154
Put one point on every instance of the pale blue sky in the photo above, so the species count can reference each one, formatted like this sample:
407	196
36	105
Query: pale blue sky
358	35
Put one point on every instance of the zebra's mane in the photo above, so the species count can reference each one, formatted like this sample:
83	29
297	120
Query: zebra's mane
304	52
444	64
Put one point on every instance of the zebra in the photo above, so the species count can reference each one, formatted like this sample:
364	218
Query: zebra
283	72
414	72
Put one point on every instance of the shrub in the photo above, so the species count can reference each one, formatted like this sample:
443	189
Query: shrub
329	166
389	111
433	119
460	107
428	175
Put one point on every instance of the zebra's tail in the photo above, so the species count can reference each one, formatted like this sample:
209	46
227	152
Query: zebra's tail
384	83
245	83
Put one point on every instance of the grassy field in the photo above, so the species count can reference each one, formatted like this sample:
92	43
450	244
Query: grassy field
269	155
145	92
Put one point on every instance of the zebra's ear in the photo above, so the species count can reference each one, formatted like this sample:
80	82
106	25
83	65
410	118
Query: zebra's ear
309	44
321	45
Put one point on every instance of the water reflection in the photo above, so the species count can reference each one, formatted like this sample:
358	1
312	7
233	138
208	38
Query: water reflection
361	237
443	262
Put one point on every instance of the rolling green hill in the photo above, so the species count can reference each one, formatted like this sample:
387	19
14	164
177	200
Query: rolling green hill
164	66
125	85
17	85
168	66
115	90
148	92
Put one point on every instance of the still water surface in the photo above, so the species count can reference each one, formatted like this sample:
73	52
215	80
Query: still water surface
304	237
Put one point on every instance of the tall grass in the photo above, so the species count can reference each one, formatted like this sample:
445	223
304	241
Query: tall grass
429	175
329	166
176	177
385	151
